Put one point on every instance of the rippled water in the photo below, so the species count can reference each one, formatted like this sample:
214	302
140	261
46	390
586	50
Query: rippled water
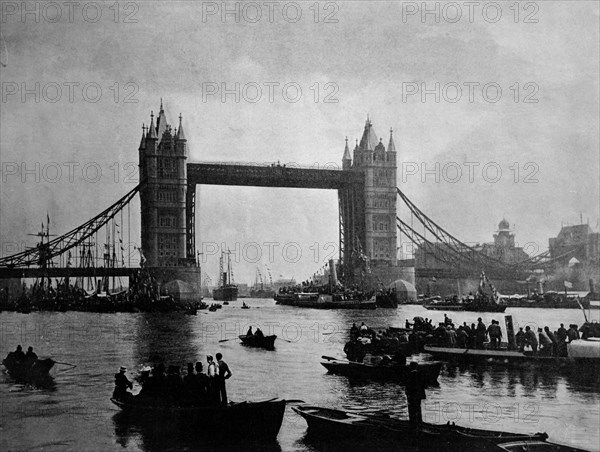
76	413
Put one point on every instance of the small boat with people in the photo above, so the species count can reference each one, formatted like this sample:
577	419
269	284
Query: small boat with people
480	302
258	341
329	296
399	434
27	367
29	371
384	369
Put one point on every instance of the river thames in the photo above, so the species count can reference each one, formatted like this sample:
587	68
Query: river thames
75	413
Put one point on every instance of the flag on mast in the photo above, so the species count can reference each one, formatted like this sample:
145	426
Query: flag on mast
568	285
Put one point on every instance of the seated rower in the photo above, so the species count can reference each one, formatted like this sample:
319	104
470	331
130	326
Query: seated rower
259	333
18	354
30	355
249	332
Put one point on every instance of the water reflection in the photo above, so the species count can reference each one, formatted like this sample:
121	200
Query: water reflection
529	378
166	338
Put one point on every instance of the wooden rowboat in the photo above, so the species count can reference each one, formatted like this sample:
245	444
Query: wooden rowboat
244	420
29	371
350	369
267	342
401	434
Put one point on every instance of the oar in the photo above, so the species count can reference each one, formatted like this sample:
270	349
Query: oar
225	340
331	358
65	364
294	401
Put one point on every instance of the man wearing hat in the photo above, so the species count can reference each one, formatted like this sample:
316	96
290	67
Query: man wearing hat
121	385
415	392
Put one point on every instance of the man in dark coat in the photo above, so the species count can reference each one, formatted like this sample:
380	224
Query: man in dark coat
415	392
122	383
561	333
201	385
480	334
224	374
520	339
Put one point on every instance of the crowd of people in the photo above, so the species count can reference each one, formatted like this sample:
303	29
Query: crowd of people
545	342
347	293
366	341
399	343
141	295
166	386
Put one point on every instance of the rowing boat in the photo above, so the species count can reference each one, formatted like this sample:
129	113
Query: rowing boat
401	434
29	371
392	372
247	420
267	342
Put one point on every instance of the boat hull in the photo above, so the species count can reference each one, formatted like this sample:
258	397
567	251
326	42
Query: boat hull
505	356
386	301
319	301
245	420
266	342
428	371
400	434
441	307
29	372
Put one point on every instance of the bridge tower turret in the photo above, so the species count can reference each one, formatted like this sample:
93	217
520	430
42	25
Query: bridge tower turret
163	194
346	159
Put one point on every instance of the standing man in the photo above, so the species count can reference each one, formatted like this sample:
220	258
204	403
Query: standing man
415	392
201	385
480	334
520	339
530	339
561	334
122	383
495	334
224	374
212	372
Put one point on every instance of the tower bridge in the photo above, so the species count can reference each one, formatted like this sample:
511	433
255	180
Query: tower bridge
367	192
366	187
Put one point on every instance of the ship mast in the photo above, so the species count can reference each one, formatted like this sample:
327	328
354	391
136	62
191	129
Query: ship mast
221	276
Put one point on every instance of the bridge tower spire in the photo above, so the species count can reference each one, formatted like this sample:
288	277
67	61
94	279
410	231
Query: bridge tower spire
346	159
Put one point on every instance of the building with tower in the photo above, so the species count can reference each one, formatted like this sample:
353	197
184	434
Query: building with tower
503	249
163	194
374	218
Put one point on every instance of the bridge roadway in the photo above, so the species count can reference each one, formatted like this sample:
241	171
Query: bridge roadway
72	272
271	176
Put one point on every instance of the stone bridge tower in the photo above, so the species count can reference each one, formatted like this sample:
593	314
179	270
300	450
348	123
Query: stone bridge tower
372	213
163	172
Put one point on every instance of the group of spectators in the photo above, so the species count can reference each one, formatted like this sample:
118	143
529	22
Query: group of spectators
196	388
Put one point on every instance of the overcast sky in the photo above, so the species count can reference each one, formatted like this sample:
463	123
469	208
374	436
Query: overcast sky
357	58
